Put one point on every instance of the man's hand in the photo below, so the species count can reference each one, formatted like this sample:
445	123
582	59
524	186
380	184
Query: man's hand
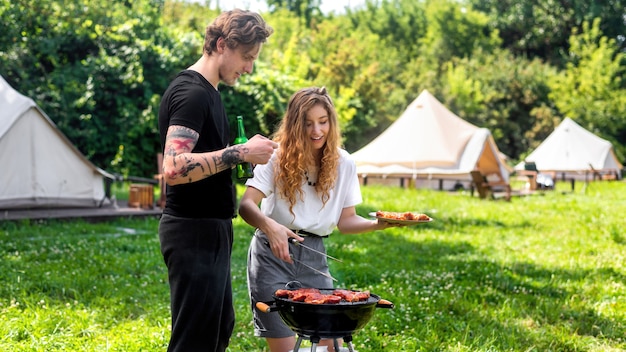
258	149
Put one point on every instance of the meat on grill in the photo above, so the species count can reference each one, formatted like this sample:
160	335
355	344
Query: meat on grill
315	296
352	296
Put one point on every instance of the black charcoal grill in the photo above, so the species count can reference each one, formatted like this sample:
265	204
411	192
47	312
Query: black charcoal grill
324	321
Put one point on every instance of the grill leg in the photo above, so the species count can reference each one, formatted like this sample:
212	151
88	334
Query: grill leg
336	344
298	342
314	341
348	341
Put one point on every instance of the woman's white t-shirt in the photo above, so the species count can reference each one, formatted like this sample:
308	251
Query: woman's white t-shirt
310	214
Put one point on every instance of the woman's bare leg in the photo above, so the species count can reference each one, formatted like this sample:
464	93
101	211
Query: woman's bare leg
283	344
330	344
286	344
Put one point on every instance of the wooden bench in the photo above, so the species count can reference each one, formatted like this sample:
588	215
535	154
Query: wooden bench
486	188
141	195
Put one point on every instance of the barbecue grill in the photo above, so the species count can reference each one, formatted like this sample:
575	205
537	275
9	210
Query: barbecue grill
314	322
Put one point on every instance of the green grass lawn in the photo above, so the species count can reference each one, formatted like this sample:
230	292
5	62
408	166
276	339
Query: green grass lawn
541	273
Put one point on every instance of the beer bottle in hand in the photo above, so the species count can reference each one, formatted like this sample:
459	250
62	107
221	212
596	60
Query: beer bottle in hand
244	170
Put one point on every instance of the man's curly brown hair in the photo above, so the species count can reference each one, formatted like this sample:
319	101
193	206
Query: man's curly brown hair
295	155
237	28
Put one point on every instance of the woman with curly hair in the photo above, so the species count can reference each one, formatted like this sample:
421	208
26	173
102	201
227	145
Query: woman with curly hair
308	188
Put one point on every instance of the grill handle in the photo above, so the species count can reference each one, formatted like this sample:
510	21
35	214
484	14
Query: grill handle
383	303
265	307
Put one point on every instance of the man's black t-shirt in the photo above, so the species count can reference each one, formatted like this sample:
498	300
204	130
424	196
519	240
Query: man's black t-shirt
191	101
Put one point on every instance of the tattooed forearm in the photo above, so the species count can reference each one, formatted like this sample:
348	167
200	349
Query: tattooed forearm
218	162
208	165
231	156
183	139
178	163
170	151
189	168
190	164
182	164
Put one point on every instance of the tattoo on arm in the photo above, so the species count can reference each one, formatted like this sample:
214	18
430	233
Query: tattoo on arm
217	161
180	140
231	156
191	165
183	137
170	151
208	165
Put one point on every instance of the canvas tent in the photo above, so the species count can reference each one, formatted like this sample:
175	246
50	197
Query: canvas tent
428	141
572	152
40	166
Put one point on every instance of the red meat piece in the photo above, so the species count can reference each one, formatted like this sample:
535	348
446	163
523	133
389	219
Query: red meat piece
352	296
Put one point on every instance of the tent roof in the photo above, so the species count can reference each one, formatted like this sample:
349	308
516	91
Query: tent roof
428	139
571	148
15	105
424	122
46	169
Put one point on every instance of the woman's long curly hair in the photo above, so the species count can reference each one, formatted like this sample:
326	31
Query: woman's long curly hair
296	155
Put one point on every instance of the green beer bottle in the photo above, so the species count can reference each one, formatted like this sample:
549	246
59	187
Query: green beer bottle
244	170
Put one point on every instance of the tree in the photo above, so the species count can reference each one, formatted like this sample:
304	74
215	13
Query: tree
262	97
98	70
358	74
505	94
455	31
590	90
399	24
308	10
542	28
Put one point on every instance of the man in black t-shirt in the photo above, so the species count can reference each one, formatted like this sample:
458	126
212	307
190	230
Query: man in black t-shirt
195	229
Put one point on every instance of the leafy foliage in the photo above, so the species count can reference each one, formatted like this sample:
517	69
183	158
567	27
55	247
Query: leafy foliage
99	69
262	96
506	94
542	28
307	10
590	90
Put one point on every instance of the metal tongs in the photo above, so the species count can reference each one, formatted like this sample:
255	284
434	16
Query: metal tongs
267	243
294	241
312	268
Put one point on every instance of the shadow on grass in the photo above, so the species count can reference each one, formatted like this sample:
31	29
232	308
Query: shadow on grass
457	295
446	293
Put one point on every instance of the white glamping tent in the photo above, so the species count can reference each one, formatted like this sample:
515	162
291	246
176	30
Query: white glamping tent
40	166
572	152
428	141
